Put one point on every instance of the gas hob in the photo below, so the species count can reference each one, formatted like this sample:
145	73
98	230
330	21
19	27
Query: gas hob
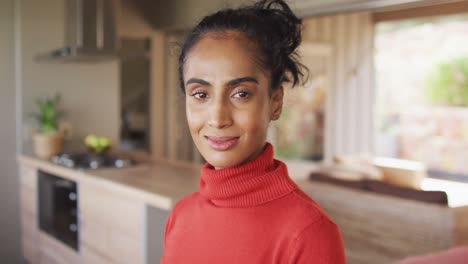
87	160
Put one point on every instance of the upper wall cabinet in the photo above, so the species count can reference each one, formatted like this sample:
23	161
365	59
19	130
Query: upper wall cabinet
179	14
130	20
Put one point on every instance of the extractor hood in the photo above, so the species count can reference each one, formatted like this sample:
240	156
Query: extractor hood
90	33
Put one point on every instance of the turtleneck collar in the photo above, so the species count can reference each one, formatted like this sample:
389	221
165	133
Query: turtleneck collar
255	182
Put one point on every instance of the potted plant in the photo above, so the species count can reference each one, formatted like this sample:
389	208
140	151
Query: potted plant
47	139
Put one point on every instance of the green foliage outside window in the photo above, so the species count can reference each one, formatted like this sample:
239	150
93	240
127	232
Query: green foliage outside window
448	83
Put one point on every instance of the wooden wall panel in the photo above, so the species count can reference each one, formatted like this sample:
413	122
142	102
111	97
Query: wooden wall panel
457	7
350	98
157	94
176	142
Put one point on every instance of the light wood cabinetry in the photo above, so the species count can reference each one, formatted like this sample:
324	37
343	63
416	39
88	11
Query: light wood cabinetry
90	256
119	220
38	247
112	226
29	229
53	251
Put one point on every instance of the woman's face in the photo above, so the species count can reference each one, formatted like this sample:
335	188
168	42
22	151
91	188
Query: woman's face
228	102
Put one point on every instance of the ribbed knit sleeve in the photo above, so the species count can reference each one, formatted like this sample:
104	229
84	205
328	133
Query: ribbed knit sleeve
167	227
319	243
167	230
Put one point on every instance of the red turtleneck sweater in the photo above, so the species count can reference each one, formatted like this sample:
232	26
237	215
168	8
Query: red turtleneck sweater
252	213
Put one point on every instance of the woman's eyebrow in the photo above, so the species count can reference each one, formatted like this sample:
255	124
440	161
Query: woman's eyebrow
241	80
232	82
196	80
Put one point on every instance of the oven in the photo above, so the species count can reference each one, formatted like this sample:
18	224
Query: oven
58	213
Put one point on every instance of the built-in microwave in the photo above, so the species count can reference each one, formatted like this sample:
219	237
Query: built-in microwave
58	213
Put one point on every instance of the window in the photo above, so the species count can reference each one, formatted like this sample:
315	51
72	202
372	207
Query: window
422	99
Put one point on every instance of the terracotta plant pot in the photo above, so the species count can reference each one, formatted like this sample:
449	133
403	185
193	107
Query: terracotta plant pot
47	145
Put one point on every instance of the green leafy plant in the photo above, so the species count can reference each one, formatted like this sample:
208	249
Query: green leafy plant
48	114
448	83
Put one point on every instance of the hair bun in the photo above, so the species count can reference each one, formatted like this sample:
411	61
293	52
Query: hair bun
270	24
287	25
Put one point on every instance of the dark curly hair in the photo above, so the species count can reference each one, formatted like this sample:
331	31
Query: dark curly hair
271	25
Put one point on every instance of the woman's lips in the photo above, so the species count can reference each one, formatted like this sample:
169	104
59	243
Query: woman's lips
222	143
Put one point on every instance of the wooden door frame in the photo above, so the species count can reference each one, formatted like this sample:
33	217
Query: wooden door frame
401	13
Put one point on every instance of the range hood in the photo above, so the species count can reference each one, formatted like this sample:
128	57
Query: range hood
90	33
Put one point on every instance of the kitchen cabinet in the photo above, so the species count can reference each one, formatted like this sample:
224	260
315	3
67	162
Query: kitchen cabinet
118	229
121	212
37	246
155	223
29	230
114	228
51	251
89	256
112	225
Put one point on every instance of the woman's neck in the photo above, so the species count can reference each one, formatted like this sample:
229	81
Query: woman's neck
254	155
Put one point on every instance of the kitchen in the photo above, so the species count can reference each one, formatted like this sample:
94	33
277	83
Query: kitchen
136	203
120	213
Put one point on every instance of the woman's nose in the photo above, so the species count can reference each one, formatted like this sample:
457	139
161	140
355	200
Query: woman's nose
220	114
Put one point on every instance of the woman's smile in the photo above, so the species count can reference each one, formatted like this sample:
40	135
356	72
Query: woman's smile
222	143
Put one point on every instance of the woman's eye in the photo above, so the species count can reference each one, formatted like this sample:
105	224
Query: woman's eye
241	94
200	95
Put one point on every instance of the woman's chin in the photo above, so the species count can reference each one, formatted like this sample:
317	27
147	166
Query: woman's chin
223	159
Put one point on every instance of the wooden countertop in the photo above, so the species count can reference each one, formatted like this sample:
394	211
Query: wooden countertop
163	185
159	185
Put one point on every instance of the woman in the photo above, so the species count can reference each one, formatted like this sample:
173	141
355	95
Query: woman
232	69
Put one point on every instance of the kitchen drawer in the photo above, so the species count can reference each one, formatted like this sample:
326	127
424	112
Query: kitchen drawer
95	236
47	257
28	224
53	251
89	256
29	237
112	243
28	201
126	249
109	209
30	248
28	177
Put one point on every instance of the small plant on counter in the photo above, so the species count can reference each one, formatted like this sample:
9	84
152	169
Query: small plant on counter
48	114
48	140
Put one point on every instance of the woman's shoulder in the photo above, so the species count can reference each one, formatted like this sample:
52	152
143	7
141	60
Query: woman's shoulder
315	229
186	201
305	210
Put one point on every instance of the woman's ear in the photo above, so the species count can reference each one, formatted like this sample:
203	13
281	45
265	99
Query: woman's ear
277	103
